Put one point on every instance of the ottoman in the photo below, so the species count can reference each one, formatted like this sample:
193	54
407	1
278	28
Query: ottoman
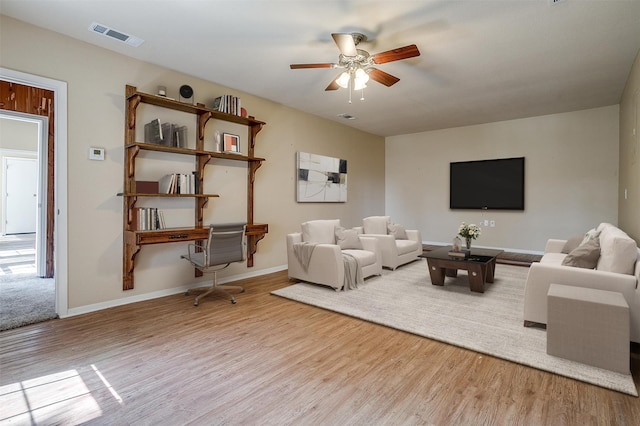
589	326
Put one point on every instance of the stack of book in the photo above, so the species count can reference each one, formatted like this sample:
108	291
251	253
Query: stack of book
167	134
229	104
459	254
178	183
148	218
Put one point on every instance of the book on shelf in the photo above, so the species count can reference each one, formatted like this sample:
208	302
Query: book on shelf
167	134
180	136
228	104
147	219
153	132
178	183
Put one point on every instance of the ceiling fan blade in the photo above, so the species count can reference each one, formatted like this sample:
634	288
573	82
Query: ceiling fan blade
345	43
332	86
301	66
396	54
382	77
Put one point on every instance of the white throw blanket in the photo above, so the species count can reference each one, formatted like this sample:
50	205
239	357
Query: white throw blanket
352	270
303	252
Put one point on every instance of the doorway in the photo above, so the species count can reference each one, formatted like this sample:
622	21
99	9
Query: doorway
24	159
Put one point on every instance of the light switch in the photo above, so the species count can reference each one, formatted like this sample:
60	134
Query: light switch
96	154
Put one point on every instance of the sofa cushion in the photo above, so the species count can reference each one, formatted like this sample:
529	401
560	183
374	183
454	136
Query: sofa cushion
397	231
406	246
376	224
618	252
364	257
572	243
320	231
553	258
348	238
586	255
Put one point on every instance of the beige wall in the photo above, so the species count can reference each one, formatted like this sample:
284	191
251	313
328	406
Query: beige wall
629	207
96	80
18	135
571	177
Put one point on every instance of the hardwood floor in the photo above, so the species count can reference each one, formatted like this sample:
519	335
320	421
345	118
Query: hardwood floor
269	360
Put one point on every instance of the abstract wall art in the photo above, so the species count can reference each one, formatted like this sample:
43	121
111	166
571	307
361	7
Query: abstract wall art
321	179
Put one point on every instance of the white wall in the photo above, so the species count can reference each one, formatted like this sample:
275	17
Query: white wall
571	177
96	80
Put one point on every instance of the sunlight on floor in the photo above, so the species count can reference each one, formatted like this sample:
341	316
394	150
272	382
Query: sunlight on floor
61	397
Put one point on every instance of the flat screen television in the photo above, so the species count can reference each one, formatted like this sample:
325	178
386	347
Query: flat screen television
487	184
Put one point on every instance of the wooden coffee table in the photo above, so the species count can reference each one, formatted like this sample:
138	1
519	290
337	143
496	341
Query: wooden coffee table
481	266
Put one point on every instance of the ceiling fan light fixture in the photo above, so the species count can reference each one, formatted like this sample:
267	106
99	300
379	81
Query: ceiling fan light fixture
343	80
361	75
359	85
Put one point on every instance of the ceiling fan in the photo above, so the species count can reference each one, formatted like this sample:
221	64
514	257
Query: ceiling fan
359	64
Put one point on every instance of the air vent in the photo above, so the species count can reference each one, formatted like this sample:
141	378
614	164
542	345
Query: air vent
115	34
346	116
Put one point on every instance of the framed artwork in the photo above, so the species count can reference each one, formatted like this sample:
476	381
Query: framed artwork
231	143
321	179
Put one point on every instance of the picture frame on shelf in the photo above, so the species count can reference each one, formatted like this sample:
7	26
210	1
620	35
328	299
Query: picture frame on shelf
231	143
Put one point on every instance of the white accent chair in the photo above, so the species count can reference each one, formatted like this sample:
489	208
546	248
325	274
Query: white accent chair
397	245
326	264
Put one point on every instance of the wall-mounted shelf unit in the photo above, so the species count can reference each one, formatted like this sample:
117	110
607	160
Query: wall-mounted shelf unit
134	239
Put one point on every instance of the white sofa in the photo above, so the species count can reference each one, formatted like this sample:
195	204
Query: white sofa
398	245
617	269
326	264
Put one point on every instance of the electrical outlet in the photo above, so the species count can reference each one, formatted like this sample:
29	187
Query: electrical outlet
485	222
492	223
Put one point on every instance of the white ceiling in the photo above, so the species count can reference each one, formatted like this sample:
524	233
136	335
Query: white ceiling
481	61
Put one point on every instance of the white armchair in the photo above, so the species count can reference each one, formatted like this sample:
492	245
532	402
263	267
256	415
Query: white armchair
397	245
321	260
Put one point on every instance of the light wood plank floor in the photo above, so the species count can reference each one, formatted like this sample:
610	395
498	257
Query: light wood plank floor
271	361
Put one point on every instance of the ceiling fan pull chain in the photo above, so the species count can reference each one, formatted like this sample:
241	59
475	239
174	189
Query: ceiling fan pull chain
362	98
350	83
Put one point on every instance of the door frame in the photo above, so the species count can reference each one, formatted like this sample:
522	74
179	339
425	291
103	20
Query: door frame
42	156
60	232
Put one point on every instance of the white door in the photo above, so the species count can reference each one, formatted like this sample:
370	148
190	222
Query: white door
22	195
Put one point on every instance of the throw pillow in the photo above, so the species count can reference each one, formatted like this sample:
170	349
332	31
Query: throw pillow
584	256
376	224
572	243
320	231
347	239
397	231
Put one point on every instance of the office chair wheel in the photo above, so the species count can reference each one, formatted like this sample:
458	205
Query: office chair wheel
195	303
233	301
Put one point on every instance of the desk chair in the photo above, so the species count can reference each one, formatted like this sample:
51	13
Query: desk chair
225	245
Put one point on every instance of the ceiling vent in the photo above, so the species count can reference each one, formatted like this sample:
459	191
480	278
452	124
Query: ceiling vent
115	34
346	116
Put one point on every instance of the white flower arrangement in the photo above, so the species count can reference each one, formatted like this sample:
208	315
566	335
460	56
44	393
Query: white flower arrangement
469	231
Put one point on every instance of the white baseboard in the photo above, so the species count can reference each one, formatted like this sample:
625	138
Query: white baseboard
162	293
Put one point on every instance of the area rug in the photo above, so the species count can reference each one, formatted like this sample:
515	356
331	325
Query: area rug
490	322
26	299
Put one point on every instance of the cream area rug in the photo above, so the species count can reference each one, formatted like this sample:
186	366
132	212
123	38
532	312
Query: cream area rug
490	323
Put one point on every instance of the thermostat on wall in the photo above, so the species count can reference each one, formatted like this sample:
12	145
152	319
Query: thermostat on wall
96	154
